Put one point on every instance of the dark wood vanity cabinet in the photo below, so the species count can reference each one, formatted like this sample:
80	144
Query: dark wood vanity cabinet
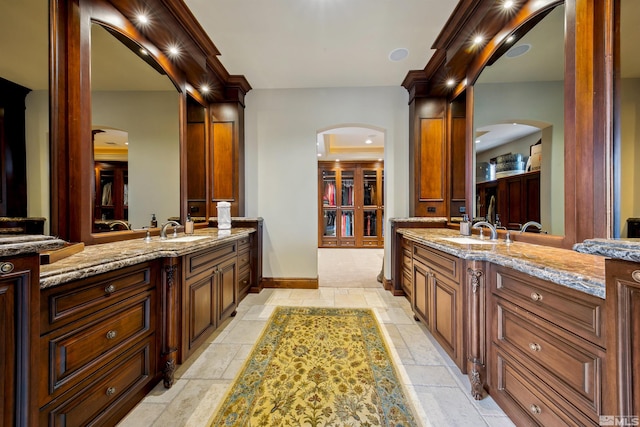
209	295
546	350
98	346
437	298
622	385
18	307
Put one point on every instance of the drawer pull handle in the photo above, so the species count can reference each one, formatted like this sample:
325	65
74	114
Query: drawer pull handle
536	296
111	391
636	275
534	347
535	409
110	289
111	335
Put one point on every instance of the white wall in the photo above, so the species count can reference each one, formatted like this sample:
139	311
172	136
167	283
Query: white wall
281	164
152	121
528	102
37	151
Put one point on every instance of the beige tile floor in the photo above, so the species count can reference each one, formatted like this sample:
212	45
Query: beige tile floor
347	277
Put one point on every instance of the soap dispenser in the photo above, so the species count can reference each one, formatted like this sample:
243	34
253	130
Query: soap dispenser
188	225
465	226
154	221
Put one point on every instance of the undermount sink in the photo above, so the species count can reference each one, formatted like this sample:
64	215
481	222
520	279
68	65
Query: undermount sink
186	239
468	241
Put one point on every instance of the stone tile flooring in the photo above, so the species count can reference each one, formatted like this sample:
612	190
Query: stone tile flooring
439	391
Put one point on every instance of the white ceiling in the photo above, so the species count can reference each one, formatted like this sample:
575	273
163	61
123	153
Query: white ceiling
279	44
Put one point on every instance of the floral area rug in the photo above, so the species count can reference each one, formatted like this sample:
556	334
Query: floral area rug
317	367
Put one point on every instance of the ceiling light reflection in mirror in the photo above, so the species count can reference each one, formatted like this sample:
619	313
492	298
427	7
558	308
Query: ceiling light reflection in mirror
129	95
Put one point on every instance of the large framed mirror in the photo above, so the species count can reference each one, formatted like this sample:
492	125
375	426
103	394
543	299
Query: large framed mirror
24	127
135	126
626	198
518	129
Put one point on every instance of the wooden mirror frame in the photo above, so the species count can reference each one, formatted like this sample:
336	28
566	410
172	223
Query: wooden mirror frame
587	99
70	96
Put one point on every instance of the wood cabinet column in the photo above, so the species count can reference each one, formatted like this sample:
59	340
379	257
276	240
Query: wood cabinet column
227	156
170	324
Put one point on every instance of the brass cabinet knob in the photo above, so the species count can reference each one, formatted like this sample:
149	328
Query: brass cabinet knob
535	409
6	267
534	347
111	391
110	289
111	335
536	296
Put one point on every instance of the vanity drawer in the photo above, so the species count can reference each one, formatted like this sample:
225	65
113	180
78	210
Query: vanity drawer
406	257
202	261
80	298
244	244
529	400
96	402
447	265
575	311
571	366
76	351
244	260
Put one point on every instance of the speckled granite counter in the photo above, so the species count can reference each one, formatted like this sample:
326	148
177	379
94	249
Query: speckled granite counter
626	249
97	259
420	219
583	272
27	243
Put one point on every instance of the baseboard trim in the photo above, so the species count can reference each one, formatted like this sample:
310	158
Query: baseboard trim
289	283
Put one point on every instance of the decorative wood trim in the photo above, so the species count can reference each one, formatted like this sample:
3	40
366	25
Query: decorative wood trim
289	283
475	292
169	318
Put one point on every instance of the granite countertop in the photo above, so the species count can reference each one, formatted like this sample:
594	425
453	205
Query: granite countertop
583	272
420	219
626	249
97	259
28	243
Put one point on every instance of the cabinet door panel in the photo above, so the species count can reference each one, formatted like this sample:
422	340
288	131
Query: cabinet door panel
227	285
444	324
202	317
421	300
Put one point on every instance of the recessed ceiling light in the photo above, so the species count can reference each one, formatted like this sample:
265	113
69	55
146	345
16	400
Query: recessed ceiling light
508	4
450	82
174	50
204	89
368	141
398	54
519	50
319	154
142	18
477	40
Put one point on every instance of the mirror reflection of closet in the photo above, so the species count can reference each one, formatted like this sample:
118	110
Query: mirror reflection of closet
128	93
524	90
627	138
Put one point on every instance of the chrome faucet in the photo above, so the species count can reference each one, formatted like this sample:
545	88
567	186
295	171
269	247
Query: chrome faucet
527	224
163	231
115	222
494	233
